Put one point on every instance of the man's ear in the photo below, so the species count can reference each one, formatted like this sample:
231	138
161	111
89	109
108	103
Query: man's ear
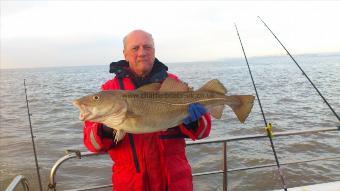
124	53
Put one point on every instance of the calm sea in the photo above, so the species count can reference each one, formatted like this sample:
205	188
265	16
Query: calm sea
289	103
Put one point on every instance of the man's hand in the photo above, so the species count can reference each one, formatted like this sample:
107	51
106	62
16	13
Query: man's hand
107	132
195	111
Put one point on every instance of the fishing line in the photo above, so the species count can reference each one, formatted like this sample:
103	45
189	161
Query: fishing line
32	137
268	127
303	72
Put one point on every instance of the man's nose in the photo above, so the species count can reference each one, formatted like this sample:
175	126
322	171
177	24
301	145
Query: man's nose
141	51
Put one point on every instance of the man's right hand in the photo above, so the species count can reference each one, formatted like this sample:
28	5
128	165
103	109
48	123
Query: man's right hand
107	132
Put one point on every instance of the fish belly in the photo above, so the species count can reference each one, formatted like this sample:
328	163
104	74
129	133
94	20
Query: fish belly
146	117
159	112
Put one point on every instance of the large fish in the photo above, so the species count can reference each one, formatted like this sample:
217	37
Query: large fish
157	107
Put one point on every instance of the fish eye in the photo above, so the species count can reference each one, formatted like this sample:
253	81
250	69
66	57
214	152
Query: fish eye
96	97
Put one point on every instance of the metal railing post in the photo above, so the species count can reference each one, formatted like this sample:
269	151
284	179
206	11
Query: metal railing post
20	179
225	167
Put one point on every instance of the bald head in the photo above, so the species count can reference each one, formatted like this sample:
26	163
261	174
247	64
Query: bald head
139	52
137	32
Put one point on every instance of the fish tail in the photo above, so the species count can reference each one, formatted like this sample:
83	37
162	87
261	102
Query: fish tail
243	109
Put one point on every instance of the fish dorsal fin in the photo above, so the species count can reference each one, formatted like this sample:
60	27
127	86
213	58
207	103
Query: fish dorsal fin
213	86
216	111
170	84
149	87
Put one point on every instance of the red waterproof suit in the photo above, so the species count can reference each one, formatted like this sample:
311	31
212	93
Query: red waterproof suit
151	161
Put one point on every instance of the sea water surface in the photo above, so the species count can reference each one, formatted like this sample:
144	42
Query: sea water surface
289	103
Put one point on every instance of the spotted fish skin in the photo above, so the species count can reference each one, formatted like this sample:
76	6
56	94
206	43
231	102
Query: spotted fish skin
157	107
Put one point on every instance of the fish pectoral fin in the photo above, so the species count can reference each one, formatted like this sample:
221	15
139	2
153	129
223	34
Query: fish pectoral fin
131	114
216	111
119	135
149	87
172	85
214	86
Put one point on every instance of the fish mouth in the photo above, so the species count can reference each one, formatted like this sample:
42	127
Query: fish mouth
84	113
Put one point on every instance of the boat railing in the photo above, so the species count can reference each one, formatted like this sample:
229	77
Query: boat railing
19	180
77	154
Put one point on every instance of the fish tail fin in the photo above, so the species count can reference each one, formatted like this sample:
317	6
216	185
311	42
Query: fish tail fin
243	109
214	86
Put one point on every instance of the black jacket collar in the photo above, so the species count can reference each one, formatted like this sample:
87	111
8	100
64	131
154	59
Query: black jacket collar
157	74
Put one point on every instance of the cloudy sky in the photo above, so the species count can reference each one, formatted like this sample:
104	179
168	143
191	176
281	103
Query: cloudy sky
71	33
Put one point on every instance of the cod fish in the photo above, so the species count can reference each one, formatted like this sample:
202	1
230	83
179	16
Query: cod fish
156	107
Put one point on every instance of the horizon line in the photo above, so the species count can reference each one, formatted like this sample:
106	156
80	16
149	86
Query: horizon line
215	60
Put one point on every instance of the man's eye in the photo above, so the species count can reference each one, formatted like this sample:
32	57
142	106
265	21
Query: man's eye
148	47
134	49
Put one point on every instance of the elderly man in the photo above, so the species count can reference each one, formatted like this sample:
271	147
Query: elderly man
151	161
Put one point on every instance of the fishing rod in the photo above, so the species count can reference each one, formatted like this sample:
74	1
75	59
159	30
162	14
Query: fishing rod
32	137
268	126
303	72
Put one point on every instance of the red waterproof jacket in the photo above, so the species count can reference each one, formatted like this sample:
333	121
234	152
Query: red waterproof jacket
151	161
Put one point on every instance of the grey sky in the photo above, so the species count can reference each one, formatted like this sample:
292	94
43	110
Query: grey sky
68	33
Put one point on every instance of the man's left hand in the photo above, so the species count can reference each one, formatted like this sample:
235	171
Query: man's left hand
195	111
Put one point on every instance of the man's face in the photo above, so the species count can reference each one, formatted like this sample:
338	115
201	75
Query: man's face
139	51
